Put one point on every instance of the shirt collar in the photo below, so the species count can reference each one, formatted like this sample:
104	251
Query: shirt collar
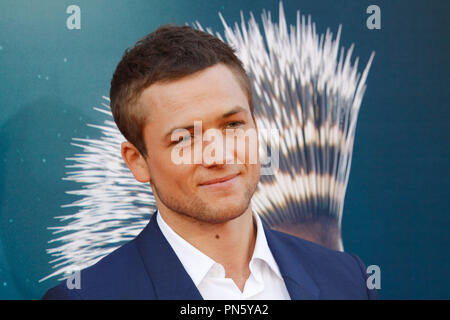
198	264
262	250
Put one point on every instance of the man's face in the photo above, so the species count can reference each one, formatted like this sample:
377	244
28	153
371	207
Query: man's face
214	97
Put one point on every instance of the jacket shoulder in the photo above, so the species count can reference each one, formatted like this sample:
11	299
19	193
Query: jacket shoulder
313	251
338	274
119	275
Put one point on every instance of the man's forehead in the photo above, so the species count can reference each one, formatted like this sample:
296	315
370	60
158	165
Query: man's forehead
194	109
214	80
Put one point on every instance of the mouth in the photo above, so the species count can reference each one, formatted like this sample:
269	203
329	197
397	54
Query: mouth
219	182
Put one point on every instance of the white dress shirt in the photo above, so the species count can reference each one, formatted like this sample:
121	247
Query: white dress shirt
264	283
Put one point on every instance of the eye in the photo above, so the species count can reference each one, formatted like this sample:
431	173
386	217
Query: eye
234	124
183	140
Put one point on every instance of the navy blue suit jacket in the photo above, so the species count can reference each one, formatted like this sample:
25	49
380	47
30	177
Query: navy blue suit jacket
148	268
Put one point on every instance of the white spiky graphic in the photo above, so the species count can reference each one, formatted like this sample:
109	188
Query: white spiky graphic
303	86
113	208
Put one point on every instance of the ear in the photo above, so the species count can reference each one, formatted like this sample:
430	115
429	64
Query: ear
135	162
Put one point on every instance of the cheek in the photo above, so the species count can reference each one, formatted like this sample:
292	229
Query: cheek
169	175
161	167
246	149
254	171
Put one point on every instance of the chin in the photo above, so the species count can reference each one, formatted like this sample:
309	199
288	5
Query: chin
222	213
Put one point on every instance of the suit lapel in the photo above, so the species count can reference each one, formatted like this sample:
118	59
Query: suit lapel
170	279
299	283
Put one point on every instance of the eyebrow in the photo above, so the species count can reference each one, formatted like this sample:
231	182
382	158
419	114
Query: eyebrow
235	110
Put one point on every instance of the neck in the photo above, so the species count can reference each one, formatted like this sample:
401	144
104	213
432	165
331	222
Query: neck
230	243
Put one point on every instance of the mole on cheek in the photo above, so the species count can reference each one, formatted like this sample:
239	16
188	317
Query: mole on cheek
217	236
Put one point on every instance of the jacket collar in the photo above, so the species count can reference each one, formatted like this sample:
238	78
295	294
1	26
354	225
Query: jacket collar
172	282
299	283
169	278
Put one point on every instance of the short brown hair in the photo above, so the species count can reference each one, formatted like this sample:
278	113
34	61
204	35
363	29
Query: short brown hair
169	53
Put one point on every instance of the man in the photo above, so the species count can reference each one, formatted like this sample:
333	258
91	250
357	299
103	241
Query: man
182	100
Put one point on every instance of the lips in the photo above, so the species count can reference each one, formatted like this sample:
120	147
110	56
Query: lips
219	180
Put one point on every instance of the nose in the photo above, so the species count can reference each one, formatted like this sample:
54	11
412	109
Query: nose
216	150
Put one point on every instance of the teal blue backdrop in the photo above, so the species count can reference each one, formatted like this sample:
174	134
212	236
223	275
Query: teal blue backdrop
396	212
